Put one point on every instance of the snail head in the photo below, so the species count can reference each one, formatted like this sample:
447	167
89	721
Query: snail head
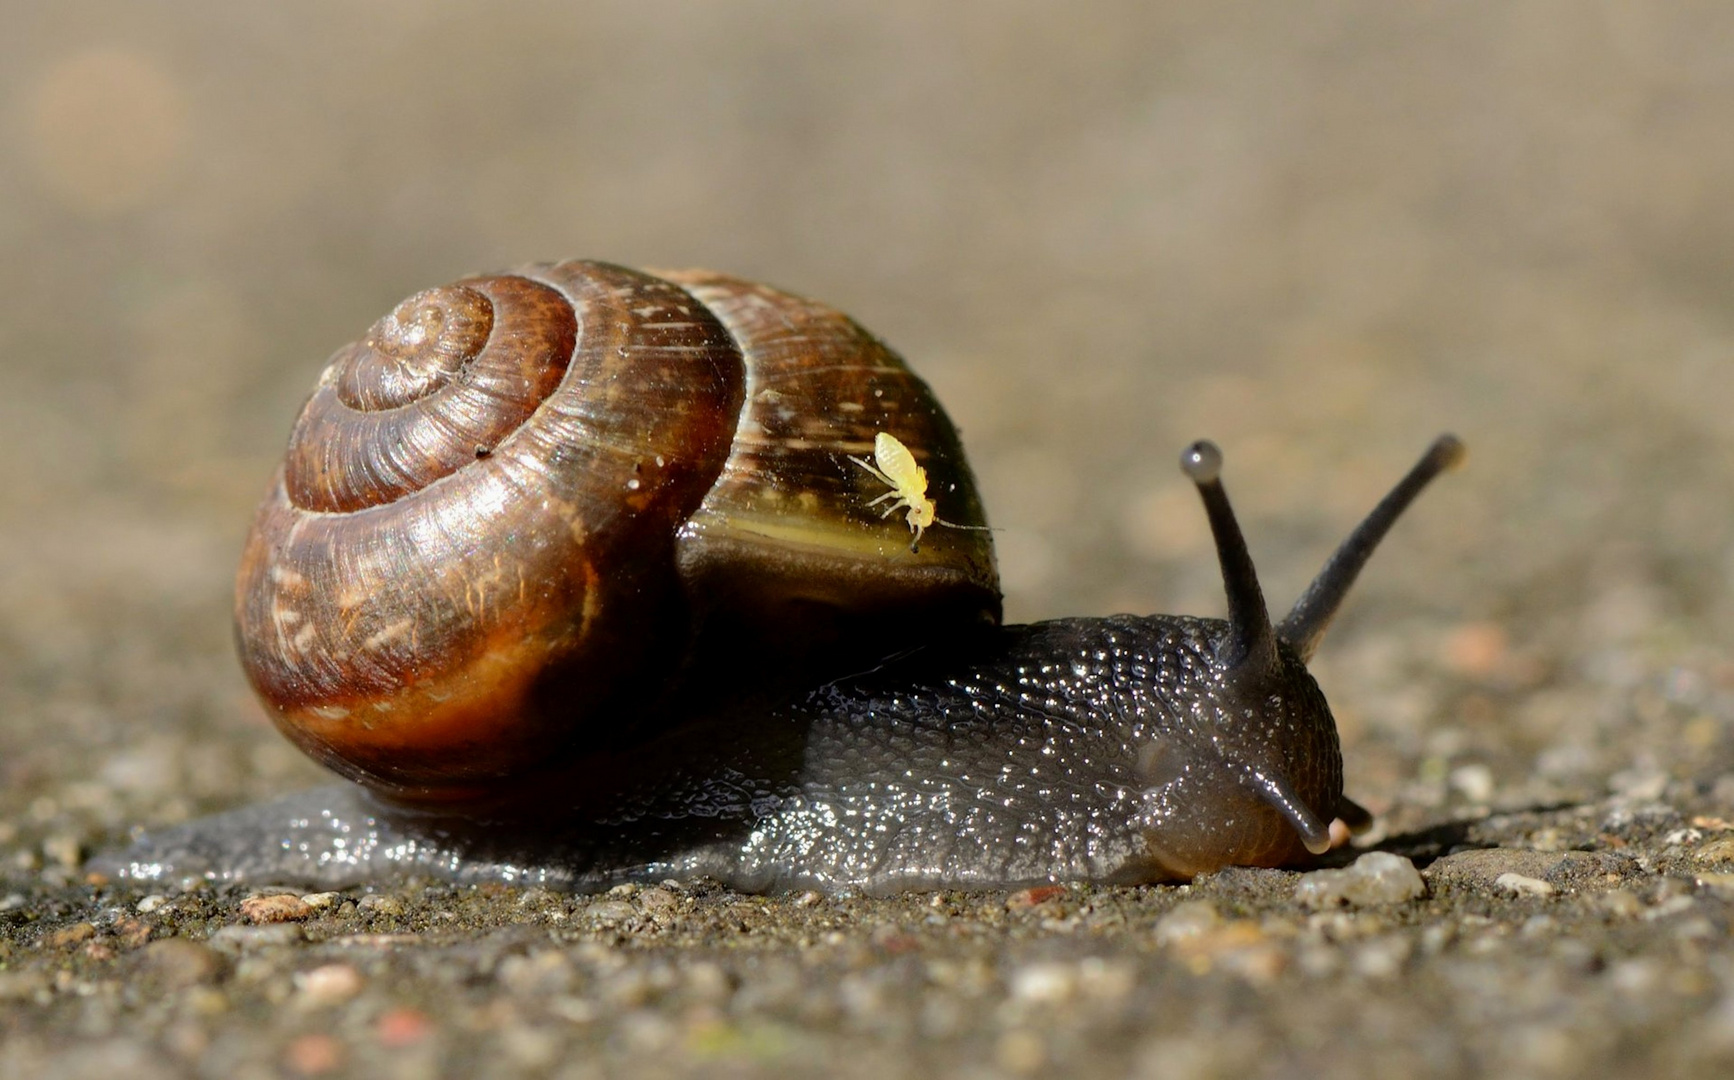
1253	775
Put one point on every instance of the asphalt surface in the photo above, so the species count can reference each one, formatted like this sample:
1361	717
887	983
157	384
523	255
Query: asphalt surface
1318	235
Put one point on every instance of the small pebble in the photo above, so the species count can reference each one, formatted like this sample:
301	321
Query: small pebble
1474	782
76	934
319	901
381	904
1720	850
131	932
278	908
537	897
64	850
1638	976
329	984
1435	938
1523	885
153	902
402	1026
610	912
246	938
1188	920
1375	879
1548	839
1031	897
1045	983
11	902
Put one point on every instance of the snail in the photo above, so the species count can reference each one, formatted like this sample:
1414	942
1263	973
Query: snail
649	622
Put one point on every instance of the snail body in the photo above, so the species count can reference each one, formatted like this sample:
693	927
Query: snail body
833	709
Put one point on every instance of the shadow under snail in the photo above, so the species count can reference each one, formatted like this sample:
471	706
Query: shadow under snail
571	569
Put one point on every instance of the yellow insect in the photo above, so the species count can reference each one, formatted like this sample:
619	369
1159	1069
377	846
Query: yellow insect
894	466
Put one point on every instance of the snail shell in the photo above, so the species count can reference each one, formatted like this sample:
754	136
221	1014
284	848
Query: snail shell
538	513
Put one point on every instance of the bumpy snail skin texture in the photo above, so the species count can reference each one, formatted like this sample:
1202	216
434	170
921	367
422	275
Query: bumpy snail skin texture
536	515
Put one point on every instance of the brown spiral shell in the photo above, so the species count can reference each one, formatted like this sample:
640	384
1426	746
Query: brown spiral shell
515	518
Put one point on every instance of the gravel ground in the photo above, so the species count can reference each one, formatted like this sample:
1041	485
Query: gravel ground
1317	233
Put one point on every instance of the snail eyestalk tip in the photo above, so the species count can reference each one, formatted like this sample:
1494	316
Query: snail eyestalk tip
1304	626
1450	451
1252	643
1202	461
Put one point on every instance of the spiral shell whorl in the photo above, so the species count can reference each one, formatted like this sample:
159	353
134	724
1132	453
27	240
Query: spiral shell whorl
421	617
443	379
414	350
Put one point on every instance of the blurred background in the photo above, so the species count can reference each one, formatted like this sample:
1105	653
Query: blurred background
1318	234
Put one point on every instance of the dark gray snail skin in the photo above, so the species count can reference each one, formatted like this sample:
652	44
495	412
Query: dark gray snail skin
1124	749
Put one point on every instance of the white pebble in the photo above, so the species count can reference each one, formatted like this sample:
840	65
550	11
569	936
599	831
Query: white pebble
329	984
1475	782
1523	885
1045	983
1188	920
1375	879
153	902
385	905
